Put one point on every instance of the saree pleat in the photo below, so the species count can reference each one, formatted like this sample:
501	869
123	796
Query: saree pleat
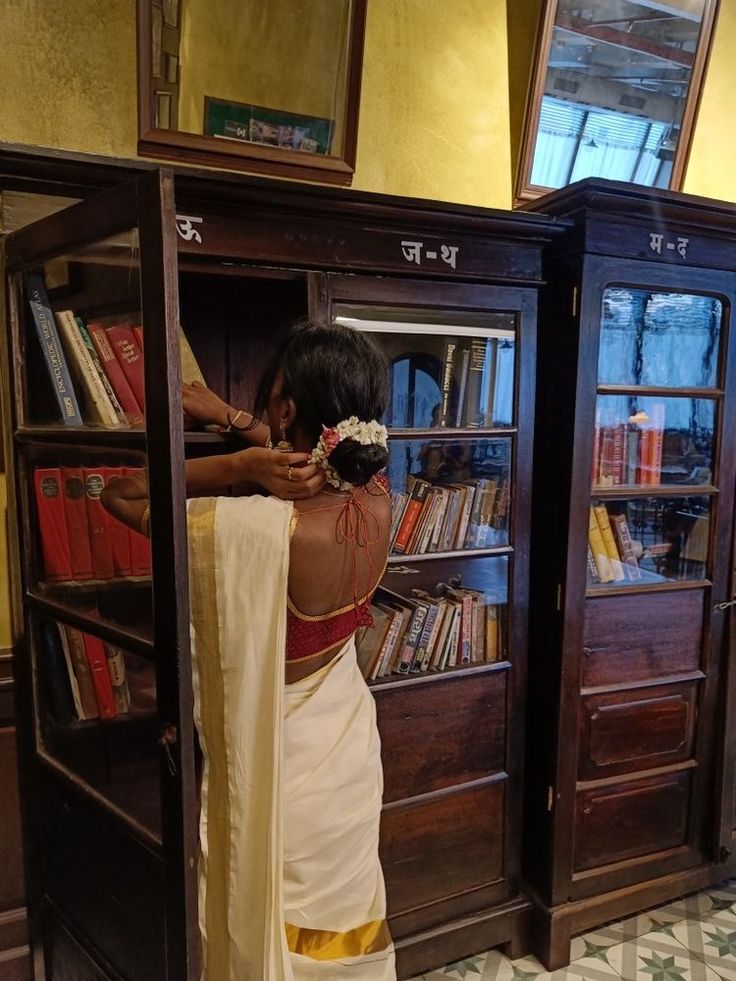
290	886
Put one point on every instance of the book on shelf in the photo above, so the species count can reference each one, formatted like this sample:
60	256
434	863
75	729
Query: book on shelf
598	549
97	404
130	358
106	384
88	677
625	546
369	640
609	542
447	382
117	377
52	350
80	672
629	453
60	695
55	548
473	410
464	367
118	679
75	513
80	540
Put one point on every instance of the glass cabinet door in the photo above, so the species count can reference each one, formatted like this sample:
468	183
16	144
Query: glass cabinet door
452	421
94	397
656	419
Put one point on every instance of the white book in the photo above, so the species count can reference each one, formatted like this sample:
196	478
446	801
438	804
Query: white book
83	368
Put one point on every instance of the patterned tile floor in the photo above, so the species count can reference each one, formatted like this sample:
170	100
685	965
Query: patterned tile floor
692	939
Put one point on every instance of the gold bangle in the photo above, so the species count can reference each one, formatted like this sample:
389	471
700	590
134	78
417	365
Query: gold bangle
146	520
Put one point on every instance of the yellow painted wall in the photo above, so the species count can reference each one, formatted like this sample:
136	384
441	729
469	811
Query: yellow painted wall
434	116
710	169
286	54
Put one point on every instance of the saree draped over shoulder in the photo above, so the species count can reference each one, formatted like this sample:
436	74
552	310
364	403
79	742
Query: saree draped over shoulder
290	886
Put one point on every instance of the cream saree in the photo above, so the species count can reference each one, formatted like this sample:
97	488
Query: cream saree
290	886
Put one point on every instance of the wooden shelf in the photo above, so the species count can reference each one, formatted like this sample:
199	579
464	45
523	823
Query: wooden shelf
620	589
660	390
117	439
460	553
486	433
391	681
84	585
654	490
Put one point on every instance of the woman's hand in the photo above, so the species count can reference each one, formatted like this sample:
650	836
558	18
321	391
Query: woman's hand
287	475
203	406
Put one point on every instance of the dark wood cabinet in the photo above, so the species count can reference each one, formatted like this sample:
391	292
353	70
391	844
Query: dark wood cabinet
236	261
630	749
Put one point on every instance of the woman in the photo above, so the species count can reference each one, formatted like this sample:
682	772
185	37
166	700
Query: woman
290	882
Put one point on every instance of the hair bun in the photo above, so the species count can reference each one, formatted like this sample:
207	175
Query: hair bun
358	462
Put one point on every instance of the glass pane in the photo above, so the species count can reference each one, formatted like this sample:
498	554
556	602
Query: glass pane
83	556
83	337
647	440
273	74
648	540
617	79
449	615
449	370
97	715
449	494
654	338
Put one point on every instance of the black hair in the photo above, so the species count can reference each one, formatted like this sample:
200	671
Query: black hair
332	372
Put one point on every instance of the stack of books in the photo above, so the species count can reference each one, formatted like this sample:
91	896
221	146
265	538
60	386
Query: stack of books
426	633
80	540
91	679
629	454
431	518
99	364
612	554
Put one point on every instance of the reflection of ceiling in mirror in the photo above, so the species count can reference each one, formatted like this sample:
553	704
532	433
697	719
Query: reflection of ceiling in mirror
647	45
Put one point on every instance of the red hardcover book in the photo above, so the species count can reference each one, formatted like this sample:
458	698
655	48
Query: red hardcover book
115	374
130	357
138	334
119	537
140	547
97	660
619	435
75	508
98	522
411	514
596	469
645	450
57	560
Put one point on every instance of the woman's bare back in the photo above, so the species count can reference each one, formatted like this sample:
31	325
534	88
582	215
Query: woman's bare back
338	555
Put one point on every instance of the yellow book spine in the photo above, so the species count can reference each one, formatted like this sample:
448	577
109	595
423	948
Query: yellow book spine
609	542
600	555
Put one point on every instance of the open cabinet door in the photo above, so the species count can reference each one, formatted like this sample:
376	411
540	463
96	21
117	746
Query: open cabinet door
92	386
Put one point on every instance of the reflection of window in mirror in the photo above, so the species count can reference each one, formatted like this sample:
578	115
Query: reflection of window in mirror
258	85
614	92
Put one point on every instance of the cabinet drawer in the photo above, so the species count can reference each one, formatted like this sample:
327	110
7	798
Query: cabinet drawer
442	733
436	849
625	731
642	637
622	821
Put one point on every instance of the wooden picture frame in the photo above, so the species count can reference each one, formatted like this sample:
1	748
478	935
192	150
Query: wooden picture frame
524	189
236	154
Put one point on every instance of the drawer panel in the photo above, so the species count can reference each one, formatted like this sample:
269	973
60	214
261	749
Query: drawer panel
624	731
435	849
441	734
622	821
642	637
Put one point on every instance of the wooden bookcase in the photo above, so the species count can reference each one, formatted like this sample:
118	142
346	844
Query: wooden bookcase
111	807
630	748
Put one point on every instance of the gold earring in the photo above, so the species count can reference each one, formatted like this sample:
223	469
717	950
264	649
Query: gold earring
283	445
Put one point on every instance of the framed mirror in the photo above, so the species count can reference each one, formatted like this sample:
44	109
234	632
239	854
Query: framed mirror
269	87
614	92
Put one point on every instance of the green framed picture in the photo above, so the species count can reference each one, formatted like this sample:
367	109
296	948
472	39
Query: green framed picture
268	127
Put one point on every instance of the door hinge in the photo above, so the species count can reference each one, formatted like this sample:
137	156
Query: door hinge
574	301
558	597
550	798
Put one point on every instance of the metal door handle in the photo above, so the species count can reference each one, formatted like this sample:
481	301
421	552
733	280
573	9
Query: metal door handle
723	606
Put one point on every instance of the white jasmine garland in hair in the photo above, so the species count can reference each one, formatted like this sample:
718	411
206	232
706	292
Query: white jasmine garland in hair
366	433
